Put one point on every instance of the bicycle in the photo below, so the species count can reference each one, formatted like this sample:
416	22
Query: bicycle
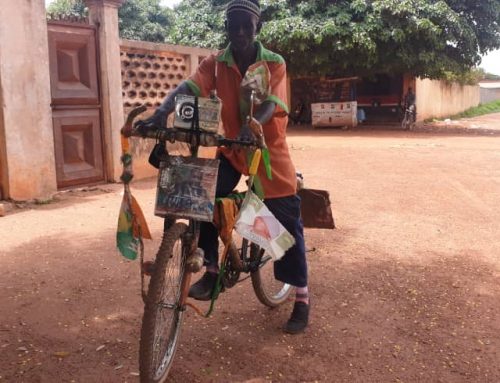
178	257
409	117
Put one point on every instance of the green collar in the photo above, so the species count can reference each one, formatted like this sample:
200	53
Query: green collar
263	54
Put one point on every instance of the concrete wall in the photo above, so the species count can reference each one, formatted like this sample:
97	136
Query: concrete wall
104	14
149	72
489	95
4	181
440	99
26	135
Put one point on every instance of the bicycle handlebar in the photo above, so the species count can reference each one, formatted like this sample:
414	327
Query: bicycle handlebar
194	137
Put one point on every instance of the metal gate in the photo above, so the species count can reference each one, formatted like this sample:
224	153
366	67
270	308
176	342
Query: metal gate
76	109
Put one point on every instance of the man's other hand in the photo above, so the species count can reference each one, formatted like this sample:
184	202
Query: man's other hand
246	134
256	128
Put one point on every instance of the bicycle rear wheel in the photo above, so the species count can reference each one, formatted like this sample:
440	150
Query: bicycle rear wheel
268	289
162	320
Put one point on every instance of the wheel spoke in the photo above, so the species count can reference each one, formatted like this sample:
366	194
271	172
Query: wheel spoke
167	309
268	289
163	317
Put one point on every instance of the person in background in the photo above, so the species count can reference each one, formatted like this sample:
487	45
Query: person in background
409	99
409	104
361	115
298	113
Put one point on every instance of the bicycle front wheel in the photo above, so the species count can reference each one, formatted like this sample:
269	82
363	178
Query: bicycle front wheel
162	320
269	290
405	124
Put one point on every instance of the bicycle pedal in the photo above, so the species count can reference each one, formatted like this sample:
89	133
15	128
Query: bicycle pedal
148	268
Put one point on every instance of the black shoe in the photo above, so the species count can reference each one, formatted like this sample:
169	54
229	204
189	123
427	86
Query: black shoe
299	319
202	290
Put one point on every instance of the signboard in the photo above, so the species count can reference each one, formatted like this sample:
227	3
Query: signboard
334	114
186	188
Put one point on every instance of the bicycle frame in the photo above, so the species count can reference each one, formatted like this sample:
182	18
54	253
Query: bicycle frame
195	138
160	335
409	117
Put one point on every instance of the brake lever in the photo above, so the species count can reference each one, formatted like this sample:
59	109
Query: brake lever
143	127
257	131
129	126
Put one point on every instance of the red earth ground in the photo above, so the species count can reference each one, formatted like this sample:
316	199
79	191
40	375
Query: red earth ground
406	289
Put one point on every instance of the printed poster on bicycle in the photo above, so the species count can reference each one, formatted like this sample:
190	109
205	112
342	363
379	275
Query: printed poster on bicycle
186	188
257	224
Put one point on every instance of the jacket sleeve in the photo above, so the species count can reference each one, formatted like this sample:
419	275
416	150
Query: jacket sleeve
279	93
203	80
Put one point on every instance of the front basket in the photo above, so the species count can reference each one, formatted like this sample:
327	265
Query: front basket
186	188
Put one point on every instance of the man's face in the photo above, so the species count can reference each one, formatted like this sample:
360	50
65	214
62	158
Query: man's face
242	28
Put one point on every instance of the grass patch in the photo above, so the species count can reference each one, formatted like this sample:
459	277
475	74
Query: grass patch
491	107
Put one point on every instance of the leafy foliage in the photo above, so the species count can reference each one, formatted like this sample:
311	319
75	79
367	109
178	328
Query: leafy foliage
67	7
137	19
491	76
199	23
470	77
423	37
144	20
429	38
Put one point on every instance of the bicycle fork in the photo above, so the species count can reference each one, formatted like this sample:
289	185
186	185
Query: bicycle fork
194	261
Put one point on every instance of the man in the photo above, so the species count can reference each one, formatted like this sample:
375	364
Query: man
409	99
245	65
298	112
409	104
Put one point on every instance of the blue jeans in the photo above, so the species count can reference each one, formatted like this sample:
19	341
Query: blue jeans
292	268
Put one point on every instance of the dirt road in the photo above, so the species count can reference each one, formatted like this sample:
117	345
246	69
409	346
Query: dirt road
407	289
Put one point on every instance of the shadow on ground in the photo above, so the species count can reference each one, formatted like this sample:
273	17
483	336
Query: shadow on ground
71	310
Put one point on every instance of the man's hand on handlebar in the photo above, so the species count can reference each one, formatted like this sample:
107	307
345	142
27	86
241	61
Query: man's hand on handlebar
252	131
246	135
154	127
157	121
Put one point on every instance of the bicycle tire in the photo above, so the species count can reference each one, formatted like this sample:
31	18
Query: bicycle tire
155	353
268	290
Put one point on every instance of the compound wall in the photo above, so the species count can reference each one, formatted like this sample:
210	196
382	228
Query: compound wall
436	99
150	72
27	166
489	95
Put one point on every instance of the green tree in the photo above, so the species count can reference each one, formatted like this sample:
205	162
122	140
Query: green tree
490	76
425	37
198	23
67	7
143	20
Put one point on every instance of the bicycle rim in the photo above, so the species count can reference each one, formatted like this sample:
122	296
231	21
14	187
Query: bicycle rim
163	316
268	290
